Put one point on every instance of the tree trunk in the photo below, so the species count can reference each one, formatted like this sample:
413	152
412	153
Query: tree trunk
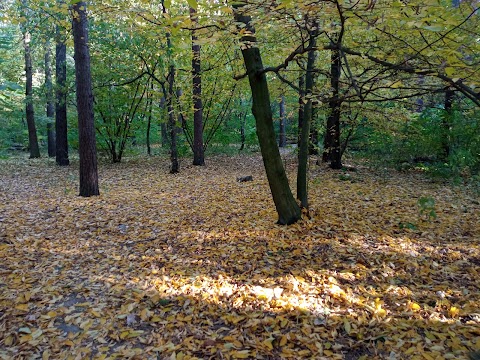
302	171
198	149
30	115
50	101
163	123
332	151
149	118
301	106
282	137
61	151
313	144
287	208
86	126
446	120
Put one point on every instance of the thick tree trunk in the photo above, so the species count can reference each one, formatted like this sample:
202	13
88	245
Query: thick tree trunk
198	149
86	126
332	149
282	137
50	101
29	112
287	208
302	171
61	151
446	120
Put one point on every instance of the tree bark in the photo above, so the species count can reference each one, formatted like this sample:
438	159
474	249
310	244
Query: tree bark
282	137
61	134
332	151
302	171
50	102
198	149
301	106
29	112
287	208
86	126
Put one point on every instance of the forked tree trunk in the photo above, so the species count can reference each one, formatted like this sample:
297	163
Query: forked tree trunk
198	149
61	135
282	137
86	126
29	112
302	171
287	208
50	101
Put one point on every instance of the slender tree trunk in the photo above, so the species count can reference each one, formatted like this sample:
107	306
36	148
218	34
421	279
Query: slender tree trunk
86	126
302	171
198	149
287	208
61	134
30	115
313	144
332	151
163	123
50	101
149	118
282	137
172	124
446	120
301	106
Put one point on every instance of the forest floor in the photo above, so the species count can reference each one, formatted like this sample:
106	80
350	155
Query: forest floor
192	265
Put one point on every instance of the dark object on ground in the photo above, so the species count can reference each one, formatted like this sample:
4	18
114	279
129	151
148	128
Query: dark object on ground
245	178
18	147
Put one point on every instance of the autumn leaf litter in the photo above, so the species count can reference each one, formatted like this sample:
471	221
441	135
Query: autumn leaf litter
192	266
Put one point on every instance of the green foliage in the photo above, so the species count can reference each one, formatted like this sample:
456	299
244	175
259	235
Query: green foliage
427	208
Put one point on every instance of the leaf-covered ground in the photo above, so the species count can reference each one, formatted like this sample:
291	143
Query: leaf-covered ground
192	265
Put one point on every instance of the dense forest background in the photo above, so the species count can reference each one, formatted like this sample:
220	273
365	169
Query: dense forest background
391	82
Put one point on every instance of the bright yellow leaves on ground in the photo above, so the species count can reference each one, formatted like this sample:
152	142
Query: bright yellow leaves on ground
192	266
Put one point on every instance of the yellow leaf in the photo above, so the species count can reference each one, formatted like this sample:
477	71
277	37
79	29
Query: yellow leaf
268	343
454	311
283	341
22	307
46	355
242	354
414	306
347	326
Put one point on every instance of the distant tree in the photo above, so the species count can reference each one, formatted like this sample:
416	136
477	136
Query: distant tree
282	136
61	134
86	127
198	148
50	101
29	110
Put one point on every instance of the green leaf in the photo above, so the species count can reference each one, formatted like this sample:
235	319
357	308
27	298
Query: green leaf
192	3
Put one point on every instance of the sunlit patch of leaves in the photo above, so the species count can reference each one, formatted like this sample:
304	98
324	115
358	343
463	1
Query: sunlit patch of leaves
192	266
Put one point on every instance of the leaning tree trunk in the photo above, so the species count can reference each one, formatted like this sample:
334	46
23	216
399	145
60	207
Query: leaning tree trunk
287	208
282	136
302	171
50	102
86	126
29	112
198	149
61	135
